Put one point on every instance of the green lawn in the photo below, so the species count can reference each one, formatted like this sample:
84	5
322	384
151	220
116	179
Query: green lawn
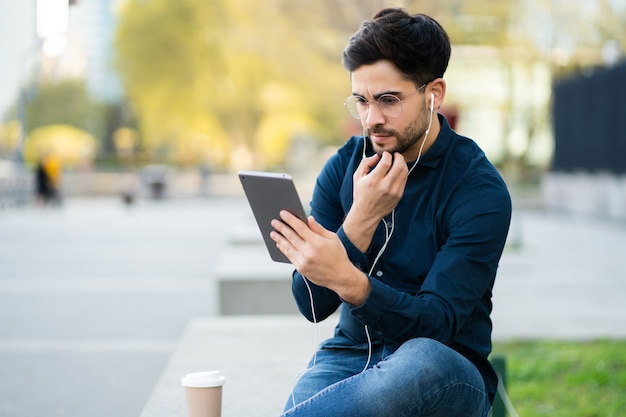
566	379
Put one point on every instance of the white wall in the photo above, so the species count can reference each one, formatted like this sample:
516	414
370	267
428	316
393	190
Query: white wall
18	48
599	194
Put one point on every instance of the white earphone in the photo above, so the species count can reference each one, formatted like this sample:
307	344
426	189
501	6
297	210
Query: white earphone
432	102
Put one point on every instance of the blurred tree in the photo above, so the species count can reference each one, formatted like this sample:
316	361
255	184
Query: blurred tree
66	102
214	78
9	138
233	82
125	140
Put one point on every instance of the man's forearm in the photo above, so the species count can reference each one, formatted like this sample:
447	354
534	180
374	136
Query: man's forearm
359	230
354	287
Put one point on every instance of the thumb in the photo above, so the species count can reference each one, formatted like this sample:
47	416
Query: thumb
315	226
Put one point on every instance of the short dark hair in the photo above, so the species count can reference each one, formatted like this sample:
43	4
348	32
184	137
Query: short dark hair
416	44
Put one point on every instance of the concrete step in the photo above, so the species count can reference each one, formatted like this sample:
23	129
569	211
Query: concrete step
249	282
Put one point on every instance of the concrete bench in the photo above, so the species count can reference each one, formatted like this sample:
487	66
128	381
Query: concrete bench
245	232
259	356
248	281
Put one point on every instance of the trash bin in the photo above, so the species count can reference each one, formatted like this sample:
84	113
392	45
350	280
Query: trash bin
154	178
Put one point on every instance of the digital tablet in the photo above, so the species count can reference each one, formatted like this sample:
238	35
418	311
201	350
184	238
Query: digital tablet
268	193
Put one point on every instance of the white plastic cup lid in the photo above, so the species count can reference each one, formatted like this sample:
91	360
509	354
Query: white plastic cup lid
206	379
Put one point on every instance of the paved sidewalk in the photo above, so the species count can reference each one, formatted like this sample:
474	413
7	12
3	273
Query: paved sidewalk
95	296
562	276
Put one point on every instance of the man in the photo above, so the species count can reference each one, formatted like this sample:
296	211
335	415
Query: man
407	227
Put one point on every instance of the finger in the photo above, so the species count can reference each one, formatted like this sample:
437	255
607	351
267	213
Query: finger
316	227
283	235
398	159
399	167
366	165
282	244
293	227
381	169
277	237
279	226
290	219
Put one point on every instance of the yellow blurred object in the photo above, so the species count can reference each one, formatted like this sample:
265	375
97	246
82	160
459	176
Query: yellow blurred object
125	140
53	167
9	136
70	145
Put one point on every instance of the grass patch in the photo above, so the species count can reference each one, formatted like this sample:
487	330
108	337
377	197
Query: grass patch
566	379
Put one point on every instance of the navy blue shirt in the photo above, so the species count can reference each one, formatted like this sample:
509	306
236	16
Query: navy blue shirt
436	275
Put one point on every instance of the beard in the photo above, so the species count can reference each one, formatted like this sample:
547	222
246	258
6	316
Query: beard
408	138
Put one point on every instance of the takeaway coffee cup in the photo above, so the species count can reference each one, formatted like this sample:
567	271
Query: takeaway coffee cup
203	391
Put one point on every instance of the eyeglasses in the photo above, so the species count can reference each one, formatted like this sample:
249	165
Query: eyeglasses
389	104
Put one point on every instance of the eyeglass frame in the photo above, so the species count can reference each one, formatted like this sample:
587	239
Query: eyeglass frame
365	101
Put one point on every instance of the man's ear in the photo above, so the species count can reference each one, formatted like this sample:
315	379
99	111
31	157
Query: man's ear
438	90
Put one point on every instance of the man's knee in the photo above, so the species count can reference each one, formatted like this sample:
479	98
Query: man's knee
424	351
430	360
422	344
437	374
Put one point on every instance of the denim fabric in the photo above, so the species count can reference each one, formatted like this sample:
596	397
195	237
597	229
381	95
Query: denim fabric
422	377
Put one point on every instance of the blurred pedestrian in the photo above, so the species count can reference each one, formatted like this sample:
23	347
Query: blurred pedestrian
48	180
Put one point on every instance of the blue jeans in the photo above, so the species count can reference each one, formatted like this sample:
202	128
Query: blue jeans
420	378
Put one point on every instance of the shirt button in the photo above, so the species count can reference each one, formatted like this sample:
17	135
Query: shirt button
379	273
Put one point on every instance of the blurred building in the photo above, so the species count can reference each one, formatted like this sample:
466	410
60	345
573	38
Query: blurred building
18	46
588	172
500	97
85	51
90	36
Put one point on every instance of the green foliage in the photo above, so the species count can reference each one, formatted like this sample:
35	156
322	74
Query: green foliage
66	102
208	80
566	379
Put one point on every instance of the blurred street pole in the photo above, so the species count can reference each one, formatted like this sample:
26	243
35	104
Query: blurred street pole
51	23
27	91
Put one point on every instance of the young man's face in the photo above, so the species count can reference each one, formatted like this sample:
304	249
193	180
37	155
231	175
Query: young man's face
401	133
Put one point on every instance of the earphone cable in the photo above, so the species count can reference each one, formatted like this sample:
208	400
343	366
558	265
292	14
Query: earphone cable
315	326
389	231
